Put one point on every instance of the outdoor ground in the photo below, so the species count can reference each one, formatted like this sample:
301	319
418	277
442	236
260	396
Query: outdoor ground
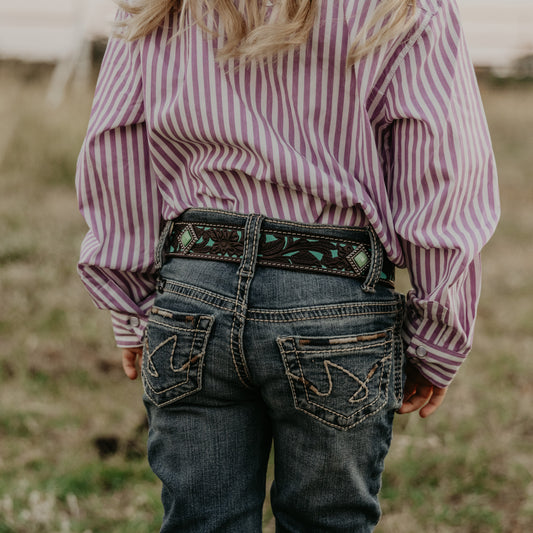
72	426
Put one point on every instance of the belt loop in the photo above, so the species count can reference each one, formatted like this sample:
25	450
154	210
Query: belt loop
161	250
252	235
376	262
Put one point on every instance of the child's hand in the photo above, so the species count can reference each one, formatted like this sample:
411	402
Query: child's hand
131	361
419	393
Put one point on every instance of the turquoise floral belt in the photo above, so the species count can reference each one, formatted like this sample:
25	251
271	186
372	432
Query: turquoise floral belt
277	248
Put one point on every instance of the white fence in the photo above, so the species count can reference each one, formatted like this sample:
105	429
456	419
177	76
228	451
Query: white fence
498	31
51	30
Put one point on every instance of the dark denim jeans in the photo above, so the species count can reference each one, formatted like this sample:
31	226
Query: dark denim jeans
240	356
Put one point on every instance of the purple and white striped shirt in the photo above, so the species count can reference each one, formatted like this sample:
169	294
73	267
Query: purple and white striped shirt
399	141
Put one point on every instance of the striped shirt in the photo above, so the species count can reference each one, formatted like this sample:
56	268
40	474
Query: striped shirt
399	141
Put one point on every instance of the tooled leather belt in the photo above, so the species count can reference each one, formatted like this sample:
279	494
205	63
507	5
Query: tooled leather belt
290	250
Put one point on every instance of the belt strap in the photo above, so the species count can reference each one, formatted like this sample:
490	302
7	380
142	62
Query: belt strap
287	249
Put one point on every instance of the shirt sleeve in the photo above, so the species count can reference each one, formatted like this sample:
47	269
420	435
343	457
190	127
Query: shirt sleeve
443	189
118	196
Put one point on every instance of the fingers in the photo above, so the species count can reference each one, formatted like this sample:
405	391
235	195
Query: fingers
417	398
420	394
426	398
434	402
131	361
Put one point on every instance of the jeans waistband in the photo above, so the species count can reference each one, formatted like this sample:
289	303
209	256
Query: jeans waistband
335	250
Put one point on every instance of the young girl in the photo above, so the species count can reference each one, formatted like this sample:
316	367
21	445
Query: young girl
252	174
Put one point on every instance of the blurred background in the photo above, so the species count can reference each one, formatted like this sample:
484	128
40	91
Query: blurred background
72	428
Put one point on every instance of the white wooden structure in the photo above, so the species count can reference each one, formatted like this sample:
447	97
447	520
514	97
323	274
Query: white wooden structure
55	31
51	30
498	31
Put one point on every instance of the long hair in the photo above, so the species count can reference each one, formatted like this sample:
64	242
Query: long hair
250	35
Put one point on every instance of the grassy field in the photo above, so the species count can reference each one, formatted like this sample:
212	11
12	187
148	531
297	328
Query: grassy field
72	427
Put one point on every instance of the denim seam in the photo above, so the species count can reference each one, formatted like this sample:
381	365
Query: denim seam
274	321
398	360
240	307
365	305
199	359
315	317
280	342
259	311
214	295
235	314
178	328
198	298
342	350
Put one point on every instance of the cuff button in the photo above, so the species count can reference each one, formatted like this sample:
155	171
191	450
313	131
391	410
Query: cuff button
134	322
421	352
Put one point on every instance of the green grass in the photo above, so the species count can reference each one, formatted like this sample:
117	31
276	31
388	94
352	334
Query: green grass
467	469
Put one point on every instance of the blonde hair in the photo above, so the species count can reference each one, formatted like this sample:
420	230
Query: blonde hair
249	36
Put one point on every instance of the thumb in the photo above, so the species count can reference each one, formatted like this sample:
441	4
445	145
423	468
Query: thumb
131	361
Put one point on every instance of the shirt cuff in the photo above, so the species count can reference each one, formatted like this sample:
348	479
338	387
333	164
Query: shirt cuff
128	329
436	363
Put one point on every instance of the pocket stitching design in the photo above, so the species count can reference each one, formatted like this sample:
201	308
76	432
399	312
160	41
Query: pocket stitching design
187	364
199	357
383	394
386	358
150	364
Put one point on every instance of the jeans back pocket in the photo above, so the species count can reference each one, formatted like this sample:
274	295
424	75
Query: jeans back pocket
341	381
173	354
